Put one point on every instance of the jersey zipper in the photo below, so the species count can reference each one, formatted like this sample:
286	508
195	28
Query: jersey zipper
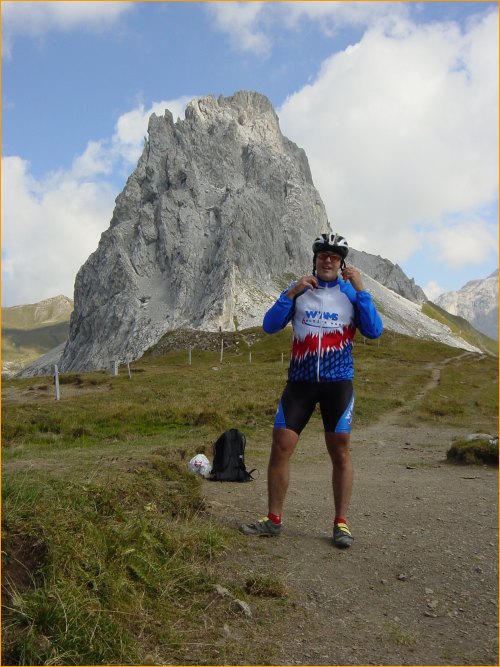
320	336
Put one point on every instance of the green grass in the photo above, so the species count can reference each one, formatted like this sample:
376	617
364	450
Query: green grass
467	395
123	559
108	554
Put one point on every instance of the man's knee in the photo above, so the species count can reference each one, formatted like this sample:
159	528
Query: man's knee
338	447
284	442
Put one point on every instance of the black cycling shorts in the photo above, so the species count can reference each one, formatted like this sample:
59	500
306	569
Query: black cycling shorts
297	403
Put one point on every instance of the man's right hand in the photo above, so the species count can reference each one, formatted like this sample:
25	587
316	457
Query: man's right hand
306	282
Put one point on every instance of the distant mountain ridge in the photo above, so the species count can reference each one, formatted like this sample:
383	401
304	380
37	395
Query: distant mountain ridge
31	330
476	302
29	316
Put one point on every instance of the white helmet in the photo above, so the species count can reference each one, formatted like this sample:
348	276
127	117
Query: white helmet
333	242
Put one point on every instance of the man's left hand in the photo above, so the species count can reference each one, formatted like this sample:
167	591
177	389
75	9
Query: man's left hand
353	275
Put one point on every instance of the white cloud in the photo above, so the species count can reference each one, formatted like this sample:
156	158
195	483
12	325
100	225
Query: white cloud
38	18
52	225
252	26
401	130
465	243
433	290
243	22
48	231
331	16
94	160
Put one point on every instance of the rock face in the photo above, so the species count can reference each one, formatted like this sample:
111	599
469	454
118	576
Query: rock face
219	209
388	274
476	302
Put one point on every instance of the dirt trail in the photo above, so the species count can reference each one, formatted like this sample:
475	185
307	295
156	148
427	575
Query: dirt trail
419	585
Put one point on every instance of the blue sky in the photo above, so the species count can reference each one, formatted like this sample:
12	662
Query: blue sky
395	104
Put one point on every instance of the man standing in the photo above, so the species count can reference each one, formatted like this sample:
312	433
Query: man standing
325	309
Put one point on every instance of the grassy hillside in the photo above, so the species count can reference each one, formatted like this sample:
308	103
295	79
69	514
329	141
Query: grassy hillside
20	347
108	554
16	342
461	327
32	330
34	315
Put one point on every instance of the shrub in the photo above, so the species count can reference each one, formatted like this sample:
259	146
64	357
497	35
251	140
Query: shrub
480	451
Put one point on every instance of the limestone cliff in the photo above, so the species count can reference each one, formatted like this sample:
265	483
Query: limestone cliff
220	207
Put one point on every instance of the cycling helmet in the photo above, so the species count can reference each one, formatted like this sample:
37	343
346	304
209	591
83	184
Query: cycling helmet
333	242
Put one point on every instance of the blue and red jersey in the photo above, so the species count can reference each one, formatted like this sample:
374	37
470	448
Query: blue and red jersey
324	322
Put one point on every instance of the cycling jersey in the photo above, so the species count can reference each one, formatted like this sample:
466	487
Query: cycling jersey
324	322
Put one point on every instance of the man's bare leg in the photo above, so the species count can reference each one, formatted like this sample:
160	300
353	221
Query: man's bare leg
284	442
342	476
342	473
278	473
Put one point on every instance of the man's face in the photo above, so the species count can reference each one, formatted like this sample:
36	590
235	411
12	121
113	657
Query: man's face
327	265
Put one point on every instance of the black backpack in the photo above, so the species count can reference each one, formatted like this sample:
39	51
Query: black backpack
229	458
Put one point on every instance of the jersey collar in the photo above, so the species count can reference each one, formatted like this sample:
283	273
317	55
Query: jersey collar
328	283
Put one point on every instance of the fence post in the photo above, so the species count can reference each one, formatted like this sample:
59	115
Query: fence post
189	355
250	356
56	382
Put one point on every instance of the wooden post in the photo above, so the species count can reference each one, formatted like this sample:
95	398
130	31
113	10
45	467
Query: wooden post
128	371
189	355
221	349
250	356
282	359
56	382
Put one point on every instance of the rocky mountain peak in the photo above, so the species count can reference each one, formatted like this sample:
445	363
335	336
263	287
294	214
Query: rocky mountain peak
219	208
476	302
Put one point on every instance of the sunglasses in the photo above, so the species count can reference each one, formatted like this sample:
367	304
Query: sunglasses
328	255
